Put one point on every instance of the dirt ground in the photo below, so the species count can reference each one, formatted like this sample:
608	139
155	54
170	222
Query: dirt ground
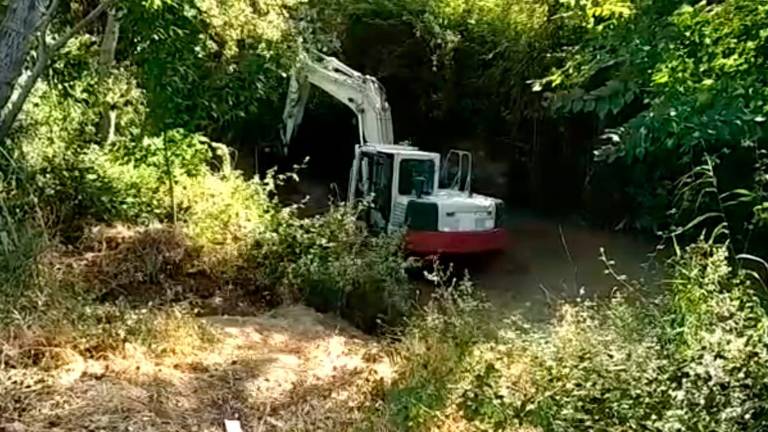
290	370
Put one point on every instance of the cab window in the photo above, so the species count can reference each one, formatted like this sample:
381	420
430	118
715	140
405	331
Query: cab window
410	170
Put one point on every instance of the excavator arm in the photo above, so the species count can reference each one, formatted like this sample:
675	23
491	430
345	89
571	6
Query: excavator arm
361	93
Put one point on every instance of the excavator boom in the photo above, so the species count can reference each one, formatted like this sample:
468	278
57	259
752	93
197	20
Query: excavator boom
361	93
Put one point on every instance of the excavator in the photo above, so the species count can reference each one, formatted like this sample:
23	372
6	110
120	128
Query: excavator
408	190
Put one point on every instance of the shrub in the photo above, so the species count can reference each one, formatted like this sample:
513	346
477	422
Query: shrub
721	331
348	271
20	245
246	234
79	189
432	350
693	360
330	262
237	234
223	214
129	183
182	153
80	179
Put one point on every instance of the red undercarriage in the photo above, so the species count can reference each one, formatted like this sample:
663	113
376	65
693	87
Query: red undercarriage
450	243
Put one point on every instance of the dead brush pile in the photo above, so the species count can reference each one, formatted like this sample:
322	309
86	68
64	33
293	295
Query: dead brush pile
137	262
121	286
158	265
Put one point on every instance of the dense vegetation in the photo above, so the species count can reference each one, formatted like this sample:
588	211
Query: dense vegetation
688	360
122	213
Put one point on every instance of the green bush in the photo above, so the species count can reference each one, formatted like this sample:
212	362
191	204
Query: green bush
80	177
175	151
20	246
245	235
343	269
693	360
87	184
78	189
332	263
432	350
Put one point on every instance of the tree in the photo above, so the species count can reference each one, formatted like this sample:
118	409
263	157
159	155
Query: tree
106	61
21	22
26	20
672	85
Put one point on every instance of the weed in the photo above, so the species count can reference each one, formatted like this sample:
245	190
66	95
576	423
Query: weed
693	359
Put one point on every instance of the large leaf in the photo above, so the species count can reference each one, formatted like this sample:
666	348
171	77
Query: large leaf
603	106
617	103
577	105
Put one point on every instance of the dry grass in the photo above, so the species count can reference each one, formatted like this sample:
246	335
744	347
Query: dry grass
154	265
125	260
107	340
292	369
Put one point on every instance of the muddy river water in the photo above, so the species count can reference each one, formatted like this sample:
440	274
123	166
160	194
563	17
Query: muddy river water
550	260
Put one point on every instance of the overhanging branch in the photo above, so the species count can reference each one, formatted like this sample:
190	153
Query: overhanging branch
61	41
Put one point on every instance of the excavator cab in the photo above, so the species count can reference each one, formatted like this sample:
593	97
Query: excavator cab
413	191
387	177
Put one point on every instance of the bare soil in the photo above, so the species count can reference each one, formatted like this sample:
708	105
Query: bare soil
291	369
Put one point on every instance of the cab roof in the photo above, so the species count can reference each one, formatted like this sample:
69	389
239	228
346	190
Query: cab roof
399	149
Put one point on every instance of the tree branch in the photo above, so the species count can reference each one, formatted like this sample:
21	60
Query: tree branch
48	17
61	41
44	54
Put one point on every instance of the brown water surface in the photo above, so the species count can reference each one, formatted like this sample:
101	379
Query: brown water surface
549	261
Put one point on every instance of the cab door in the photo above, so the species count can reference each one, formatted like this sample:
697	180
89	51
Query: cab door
456	173
381	187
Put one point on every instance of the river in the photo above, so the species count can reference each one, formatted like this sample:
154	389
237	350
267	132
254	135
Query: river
548	261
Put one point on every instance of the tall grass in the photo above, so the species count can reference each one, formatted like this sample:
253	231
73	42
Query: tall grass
22	237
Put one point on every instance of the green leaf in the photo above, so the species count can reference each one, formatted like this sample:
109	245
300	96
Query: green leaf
737	193
699	220
557	102
737	196
603	105
617	103
577	105
602	92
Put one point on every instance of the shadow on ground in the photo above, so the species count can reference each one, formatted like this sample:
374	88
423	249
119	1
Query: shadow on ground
292	369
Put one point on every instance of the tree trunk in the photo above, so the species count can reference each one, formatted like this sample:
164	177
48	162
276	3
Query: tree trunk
109	41
22	19
106	61
7	120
